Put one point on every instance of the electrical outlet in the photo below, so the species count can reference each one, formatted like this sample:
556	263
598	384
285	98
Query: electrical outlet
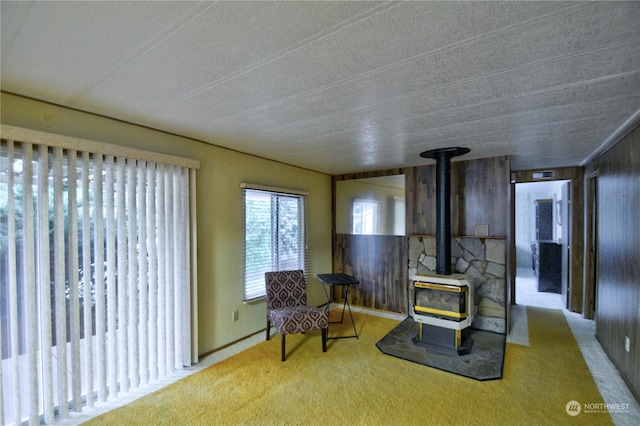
627	343
234	316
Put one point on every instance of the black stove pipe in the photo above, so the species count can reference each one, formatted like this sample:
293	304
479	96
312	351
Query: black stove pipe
443	204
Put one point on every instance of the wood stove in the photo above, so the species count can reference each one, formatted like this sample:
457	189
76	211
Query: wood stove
443	303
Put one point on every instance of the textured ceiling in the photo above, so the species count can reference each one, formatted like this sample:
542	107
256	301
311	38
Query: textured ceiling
341	86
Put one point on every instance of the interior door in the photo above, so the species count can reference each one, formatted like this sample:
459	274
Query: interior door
564	217
510	288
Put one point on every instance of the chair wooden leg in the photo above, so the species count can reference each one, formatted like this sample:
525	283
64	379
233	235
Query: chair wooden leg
268	329
325	332
283	348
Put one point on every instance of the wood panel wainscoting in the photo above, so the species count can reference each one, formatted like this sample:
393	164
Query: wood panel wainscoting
380	263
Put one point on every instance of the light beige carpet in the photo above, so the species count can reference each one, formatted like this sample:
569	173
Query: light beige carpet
353	383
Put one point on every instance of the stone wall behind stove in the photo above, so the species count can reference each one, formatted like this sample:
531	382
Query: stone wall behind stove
482	261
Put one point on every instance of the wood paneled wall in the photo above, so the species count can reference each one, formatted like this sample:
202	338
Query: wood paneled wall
479	196
482	191
420	193
380	262
618	287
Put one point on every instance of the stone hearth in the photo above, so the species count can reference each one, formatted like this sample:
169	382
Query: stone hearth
483	362
482	261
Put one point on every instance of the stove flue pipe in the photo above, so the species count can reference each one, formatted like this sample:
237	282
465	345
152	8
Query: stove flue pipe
443	204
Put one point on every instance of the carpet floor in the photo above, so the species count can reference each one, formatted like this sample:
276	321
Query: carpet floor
354	383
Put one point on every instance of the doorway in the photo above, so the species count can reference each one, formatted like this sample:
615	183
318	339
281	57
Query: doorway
542	243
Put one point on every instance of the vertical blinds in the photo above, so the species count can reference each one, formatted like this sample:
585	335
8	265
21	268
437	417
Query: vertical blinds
96	258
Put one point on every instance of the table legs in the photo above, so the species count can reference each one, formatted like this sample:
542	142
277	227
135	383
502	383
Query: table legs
345	306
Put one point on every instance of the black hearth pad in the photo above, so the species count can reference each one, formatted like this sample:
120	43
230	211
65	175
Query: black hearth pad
484	362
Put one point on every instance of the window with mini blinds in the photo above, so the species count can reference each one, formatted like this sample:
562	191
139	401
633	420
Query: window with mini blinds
274	236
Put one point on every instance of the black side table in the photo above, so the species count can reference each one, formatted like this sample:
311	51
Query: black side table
345	281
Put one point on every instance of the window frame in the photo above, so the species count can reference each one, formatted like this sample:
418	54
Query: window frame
368	217
255	290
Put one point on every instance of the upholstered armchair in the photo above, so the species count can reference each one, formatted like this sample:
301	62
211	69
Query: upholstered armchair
287	308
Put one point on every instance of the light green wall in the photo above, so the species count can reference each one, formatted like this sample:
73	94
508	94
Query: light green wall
219	209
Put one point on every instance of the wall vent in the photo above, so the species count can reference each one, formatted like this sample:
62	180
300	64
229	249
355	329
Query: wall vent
546	174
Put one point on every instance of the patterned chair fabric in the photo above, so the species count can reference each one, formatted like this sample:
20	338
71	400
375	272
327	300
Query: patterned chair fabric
287	308
285	288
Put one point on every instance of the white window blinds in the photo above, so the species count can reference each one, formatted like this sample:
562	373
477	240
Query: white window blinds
97	256
274	236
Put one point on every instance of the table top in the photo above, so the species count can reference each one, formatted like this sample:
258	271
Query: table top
338	279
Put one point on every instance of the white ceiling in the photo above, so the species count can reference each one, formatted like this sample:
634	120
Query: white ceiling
340	86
